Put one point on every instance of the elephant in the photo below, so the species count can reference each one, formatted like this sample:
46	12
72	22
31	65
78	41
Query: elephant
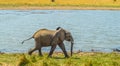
45	38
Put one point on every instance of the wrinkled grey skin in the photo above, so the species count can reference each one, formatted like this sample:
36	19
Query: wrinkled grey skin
45	37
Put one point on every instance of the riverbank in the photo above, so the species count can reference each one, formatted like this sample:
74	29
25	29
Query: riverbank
60	8
60	4
81	58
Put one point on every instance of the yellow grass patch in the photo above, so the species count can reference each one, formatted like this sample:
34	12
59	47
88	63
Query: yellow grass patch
61	2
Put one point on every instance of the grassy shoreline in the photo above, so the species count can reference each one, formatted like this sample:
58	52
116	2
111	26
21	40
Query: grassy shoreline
78	59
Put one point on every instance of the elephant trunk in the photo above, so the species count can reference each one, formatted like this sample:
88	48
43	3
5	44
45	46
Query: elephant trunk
72	42
71	48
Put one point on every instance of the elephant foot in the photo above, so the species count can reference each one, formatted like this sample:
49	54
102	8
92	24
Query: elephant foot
29	53
67	56
41	55
49	56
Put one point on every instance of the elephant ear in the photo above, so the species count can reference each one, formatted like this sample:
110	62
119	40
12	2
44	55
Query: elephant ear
56	37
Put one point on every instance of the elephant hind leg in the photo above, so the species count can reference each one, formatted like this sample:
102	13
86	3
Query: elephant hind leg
40	53
31	51
34	49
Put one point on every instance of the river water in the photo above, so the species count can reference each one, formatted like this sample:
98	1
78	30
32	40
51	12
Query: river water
91	29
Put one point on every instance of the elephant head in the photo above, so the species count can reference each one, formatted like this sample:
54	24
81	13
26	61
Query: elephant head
61	35
68	37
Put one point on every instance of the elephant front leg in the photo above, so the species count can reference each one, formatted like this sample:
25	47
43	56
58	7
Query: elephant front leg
62	46
51	51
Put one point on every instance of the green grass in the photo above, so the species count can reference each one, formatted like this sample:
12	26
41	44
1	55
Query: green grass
79	59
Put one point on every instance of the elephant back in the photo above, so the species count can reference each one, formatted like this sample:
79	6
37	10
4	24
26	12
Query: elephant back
43	32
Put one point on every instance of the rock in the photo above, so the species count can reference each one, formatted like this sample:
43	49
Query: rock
117	50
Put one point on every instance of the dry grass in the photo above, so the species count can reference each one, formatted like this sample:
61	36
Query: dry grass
95	3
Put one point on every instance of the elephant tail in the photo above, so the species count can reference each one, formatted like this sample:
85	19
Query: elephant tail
26	40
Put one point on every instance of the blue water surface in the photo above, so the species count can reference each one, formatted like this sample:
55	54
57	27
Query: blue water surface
91	29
